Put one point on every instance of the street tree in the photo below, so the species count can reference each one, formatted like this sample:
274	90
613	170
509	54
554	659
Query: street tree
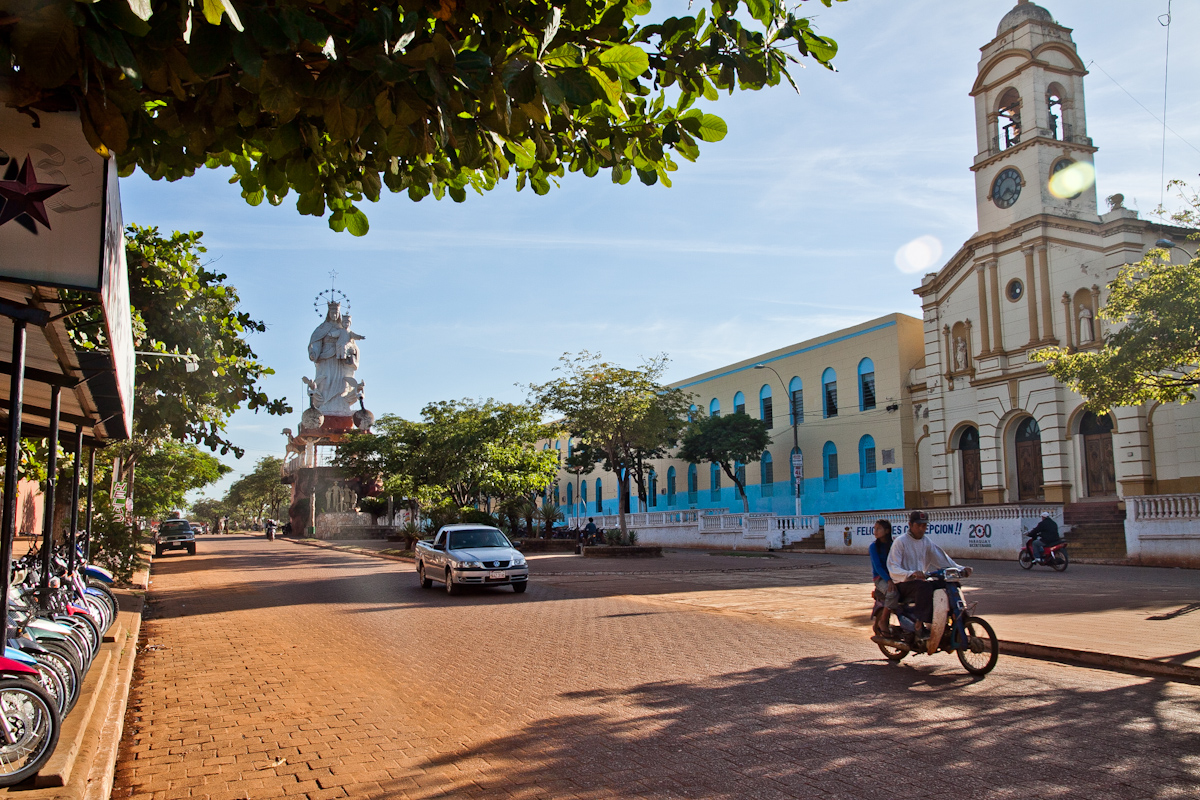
259	494
728	441
611	410
1152	349
209	510
167	472
335	100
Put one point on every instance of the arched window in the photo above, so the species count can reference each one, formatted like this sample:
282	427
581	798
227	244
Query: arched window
583	496
692	413
739	403
1008	120
792	470
829	390
570	448
766	475
546	446
714	482
714	408
972	471
1054	105
652	490
556	495
866	462
739	469
766	409
829	457
866	385
693	485
557	444
599	497
571	498
796	395
671	485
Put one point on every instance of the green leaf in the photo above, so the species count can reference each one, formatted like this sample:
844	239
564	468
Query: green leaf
712	128
626	60
356	222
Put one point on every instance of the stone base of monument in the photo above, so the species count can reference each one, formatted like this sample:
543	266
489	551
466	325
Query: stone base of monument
344	525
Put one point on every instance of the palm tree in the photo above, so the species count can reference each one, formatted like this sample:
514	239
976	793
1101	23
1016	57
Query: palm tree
549	514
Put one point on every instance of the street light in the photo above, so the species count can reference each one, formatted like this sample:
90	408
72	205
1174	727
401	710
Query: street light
795	432
1167	244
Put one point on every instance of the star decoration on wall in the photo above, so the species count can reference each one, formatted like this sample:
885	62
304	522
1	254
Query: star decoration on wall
26	196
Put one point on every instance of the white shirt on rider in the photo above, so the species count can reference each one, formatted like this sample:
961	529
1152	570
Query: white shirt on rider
909	555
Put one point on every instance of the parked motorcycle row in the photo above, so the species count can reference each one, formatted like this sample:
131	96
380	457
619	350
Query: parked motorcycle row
54	633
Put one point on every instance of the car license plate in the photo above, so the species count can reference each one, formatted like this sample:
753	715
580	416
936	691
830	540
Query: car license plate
496	576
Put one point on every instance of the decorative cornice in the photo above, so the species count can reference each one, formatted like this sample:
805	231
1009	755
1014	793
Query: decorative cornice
1025	144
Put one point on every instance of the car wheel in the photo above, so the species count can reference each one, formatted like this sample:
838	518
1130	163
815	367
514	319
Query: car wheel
520	587
191	549
158	551
426	583
451	586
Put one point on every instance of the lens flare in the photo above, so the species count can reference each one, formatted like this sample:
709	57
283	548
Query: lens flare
1071	181
919	254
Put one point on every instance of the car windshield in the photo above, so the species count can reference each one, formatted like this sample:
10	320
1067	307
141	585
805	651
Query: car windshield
174	527
483	537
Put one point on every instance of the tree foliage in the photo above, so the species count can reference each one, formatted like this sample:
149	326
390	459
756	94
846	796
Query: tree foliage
460	453
335	99
624	414
1153	350
259	494
728	441
166	472
209	510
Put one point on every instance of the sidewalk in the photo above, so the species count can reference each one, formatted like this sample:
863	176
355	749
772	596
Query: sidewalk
1110	612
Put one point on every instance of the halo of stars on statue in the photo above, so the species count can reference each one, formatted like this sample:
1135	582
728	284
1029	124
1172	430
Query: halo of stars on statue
23	199
331	295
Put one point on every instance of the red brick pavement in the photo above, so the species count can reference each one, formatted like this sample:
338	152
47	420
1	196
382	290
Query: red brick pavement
271	670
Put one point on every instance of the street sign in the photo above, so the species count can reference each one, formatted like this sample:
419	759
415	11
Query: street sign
798	467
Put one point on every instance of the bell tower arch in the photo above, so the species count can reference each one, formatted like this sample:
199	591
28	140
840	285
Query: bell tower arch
1030	123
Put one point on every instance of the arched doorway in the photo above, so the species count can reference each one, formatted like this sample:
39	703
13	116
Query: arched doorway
1029	460
972	471
1098	455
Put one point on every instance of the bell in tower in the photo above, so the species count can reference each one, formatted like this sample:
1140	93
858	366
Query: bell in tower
1034	156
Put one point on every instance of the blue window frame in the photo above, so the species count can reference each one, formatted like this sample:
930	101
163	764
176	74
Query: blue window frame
692	413
866	385
652	490
830	459
766	475
714	482
866	462
556	495
714	408
583	495
829	392
571	497
766	410
739	403
557	444
599	497
671	485
739	469
796	396
693	485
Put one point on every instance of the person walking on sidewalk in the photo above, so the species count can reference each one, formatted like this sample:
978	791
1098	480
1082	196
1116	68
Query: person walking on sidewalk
885	590
911	557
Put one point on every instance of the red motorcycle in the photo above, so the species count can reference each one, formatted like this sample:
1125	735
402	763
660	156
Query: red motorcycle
1054	556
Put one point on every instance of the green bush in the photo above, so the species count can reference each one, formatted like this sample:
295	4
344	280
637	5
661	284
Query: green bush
116	545
612	537
632	538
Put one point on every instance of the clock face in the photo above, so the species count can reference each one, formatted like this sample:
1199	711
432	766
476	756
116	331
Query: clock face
1007	188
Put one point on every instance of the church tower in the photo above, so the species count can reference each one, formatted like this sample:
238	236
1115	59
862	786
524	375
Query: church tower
1030	124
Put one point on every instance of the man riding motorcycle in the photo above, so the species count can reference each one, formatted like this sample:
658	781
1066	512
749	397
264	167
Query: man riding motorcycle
1043	535
911	557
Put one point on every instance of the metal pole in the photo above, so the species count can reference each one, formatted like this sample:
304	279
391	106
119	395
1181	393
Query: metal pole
51	481
12	459
87	536
73	554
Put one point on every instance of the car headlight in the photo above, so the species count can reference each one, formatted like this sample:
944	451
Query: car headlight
518	562
470	565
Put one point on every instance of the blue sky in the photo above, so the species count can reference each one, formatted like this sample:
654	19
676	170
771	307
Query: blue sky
785	230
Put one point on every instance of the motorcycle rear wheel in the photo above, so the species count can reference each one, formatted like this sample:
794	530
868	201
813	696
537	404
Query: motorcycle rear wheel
34	720
1060	562
980	634
1025	560
893	654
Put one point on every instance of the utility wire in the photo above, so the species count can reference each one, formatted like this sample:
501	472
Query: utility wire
1153	116
1162	183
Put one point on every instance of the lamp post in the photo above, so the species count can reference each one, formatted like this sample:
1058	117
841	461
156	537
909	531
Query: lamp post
1167	244
795	433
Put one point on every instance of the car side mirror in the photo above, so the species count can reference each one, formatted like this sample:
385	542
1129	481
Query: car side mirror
439	546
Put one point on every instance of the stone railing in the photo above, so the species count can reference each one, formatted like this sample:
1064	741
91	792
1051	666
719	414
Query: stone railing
714	527
1153	507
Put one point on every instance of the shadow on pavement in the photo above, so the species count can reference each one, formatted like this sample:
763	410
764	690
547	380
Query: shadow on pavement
821	728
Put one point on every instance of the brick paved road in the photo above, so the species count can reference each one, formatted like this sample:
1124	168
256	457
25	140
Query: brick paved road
273	670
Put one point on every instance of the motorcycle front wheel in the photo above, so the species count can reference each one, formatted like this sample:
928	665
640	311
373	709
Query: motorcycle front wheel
983	649
1061	562
34	722
1025	560
893	654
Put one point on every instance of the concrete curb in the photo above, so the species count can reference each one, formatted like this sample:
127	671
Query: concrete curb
1109	661
84	763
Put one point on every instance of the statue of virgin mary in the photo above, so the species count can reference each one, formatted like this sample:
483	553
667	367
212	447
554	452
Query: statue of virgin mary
334	389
